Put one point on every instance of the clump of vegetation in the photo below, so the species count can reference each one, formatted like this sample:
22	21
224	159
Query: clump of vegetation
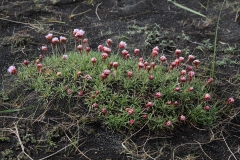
124	90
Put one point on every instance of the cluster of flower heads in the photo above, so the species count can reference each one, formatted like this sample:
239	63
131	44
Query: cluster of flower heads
184	76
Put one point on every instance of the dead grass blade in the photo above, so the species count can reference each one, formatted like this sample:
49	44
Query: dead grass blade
186	8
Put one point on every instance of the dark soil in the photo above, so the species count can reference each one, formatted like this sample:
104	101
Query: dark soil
51	134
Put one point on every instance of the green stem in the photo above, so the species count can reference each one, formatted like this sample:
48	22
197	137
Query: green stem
215	42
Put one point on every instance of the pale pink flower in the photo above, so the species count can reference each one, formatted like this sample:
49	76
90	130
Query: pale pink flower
65	57
182	118
230	101
131	122
80	34
55	41
49	37
158	95
149	105
75	31
12	70
206	108
44	49
168	123
63	39
136	52
177	52
163	59
106	72
87	77
207	97
156	49
122	45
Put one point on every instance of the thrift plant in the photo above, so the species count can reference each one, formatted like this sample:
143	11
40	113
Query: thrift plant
124	91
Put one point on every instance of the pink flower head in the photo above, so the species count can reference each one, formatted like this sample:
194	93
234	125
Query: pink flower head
85	42
190	58
154	53
122	45
110	64
183	72
109	42
177	61
103	76
107	50
104	56
175	103
79	73
75	31
177	52
80	34
55	41
181	59
158	95
136	52
182	118
80	93
191	74
206	108
63	39
131	122
163	59
88	50
124	52
87	77
93	60
156	49
141	59
104	111
115	65
127	56
39	66
129	73
207	97
230	101
95	105
149	105
177	89
153	65
196	62
182	80
168	123
130	111
69	91
80	48
145	64
106	72
100	48
25	62
151	77
49	37
44	49
145	116
169	103
210	80
190	89
148	68
97	92
64	57
12	70
140	65
189	68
